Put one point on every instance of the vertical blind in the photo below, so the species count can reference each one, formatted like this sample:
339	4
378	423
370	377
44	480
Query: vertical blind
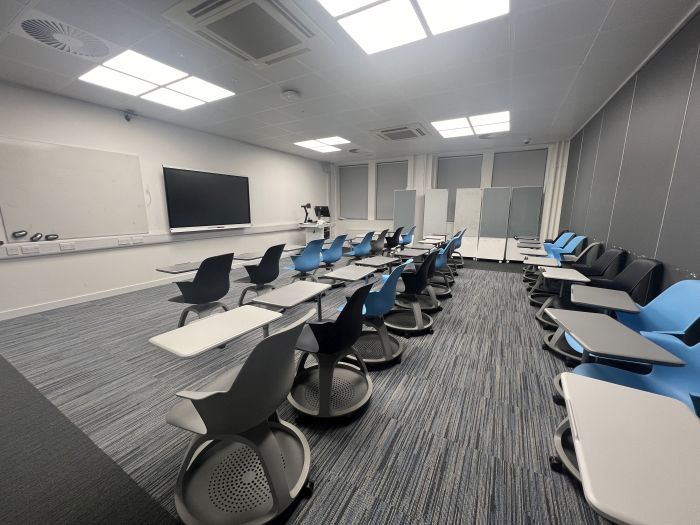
390	176
458	172
353	189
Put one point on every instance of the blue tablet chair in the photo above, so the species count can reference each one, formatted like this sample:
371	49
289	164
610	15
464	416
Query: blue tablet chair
457	245
445	277
679	382
334	253
308	261
377	346
362	249
540	291
407	238
674	312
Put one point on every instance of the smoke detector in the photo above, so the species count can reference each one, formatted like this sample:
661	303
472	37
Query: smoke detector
61	36
291	95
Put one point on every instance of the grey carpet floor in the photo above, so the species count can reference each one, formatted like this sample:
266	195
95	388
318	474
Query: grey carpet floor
459	432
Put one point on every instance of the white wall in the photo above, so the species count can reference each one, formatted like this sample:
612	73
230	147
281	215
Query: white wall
279	183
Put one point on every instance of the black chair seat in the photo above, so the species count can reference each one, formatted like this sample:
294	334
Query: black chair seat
307	341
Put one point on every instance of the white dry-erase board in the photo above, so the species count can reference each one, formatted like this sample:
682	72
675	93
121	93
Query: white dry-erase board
69	191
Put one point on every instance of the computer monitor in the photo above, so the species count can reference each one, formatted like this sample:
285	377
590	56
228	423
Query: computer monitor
322	211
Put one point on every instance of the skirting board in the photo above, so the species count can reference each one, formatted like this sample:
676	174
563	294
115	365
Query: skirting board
491	248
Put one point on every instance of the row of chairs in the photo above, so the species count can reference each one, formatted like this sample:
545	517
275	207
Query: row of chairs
669	318
245	464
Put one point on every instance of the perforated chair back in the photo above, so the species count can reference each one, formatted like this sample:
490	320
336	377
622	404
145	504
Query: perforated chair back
269	267
266	376
407	238
211	282
382	301
393	241
310	258
364	247
378	245
335	251
641	279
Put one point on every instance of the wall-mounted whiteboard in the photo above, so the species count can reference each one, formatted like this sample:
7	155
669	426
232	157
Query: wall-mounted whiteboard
73	192
435	216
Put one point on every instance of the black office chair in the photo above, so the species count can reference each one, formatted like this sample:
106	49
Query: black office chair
409	318
244	464
608	265
641	279
210	284
338	384
377	246
393	242
263	273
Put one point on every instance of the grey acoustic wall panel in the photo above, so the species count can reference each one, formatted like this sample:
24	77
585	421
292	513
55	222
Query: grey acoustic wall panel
519	168
435	214
679	242
404	208
570	184
611	143
353	188
458	172
586	167
495	208
657	114
391	176
525	211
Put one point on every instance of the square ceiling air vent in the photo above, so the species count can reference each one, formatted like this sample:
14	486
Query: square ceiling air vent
405	132
261	31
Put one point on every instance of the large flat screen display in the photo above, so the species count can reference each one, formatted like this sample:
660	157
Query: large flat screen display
199	200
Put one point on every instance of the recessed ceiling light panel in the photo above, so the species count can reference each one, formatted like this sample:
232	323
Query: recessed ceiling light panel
334	141
173	99
201	89
311	144
110	79
454	123
384	26
140	66
326	149
457	132
340	7
492	128
446	15
490	118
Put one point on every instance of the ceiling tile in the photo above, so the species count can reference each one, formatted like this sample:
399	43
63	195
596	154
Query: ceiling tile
22	73
274	116
9	9
41	56
282	71
627	13
309	86
566	53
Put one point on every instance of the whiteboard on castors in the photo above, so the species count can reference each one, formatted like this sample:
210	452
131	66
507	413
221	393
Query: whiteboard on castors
435	216
69	191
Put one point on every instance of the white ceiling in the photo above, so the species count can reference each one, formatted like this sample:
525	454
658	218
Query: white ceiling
552	63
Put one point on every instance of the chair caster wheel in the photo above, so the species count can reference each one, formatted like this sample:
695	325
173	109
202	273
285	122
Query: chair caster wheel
431	331
544	346
558	400
439	309
398	359
222	346
307	490
555	464
448	296
571	363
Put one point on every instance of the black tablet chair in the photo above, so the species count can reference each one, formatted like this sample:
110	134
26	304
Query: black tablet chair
427	298
376	346
641	280
210	284
377	245
392	243
245	465
409	318
338	384
586	258
263	273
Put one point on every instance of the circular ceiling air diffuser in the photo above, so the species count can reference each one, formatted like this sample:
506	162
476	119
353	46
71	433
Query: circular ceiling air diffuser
65	38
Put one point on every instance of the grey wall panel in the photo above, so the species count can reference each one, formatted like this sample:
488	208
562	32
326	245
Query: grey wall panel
390	176
404	208
519	168
655	124
495	209
570	184
589	154
525	211
611	144
679	242
353	183
458	172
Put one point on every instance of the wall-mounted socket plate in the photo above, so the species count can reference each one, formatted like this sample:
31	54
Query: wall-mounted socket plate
12	250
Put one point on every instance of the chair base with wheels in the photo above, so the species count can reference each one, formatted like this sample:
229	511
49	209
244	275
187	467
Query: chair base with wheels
409	321
377	347
274	453
428	301
565	458
200	310
333	387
